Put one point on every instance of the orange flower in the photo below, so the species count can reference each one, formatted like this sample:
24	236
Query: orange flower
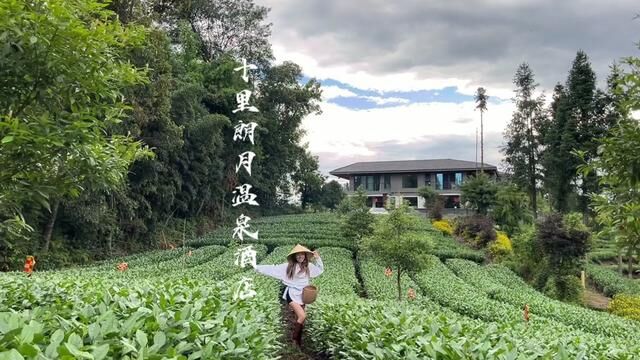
29	263
123	266
388	272
411	294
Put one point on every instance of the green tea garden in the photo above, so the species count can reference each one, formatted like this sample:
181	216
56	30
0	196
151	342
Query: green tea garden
177	303
118	152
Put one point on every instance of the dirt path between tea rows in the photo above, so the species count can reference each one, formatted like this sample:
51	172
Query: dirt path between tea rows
595	300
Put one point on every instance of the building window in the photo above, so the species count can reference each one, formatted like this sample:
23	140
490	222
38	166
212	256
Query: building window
439	181
412	200
387	182
427	180
452	202
458	179
368	182
409	181
357	181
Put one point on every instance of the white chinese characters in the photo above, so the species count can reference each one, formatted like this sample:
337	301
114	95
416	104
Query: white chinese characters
244	290
242	224
242	194
242	131
246	256
245	161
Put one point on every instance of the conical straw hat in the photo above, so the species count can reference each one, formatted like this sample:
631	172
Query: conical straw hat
299	248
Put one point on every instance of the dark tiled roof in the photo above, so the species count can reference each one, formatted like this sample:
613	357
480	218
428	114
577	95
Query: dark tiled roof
405	166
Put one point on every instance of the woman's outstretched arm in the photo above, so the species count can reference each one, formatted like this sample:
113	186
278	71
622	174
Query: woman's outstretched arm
317	268
274	271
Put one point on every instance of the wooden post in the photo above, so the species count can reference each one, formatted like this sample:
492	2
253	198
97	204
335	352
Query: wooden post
583	279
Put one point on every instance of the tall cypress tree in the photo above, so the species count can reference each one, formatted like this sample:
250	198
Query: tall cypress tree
523	134
582	99
575	123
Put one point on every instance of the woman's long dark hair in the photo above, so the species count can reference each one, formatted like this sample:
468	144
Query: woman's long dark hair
291	268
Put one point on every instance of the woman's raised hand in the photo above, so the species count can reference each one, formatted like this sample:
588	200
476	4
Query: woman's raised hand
316	254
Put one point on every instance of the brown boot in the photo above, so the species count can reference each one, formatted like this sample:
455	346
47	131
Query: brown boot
297	334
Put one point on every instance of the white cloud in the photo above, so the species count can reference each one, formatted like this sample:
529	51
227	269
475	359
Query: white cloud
383	101
406	81
332	91
345	132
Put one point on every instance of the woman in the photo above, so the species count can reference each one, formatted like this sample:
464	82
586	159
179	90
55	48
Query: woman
295	274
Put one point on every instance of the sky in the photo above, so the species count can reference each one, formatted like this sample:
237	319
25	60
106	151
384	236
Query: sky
398	77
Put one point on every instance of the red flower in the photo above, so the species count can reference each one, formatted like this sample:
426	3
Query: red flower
388	272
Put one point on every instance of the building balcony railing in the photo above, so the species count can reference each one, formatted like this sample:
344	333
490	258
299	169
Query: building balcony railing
349	189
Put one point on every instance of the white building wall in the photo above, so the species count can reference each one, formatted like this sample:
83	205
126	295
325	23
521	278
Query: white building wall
420	202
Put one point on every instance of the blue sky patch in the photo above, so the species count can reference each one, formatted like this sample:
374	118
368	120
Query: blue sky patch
366	99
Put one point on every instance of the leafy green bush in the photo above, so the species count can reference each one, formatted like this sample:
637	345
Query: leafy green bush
566	288
338	281
397	243
377	285
511	209
610	282
382	330
120	315
480	191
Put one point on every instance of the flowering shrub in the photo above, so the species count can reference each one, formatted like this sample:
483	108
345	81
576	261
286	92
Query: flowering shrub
627	306
501	246
444	226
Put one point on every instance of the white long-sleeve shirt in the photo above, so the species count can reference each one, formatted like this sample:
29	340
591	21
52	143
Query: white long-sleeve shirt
300	279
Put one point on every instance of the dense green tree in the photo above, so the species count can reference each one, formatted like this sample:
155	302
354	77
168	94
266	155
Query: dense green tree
309	181
480	191
523	135
83	158
224	27
396	244
62	76
556	157
581	115
430	197
284	101
511	209
356	220
332	194
618	206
